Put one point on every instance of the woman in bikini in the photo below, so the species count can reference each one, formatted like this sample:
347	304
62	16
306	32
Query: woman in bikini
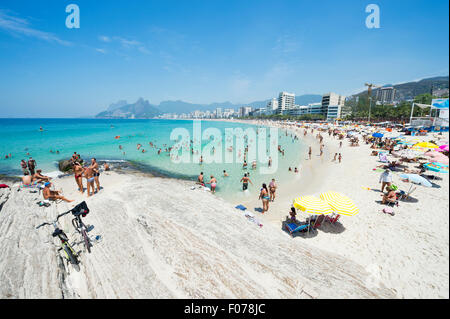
272	189
264	196
89	175
213	183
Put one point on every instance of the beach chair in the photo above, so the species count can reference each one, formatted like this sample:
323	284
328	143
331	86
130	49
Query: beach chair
404	196
333	219
318	222
293	228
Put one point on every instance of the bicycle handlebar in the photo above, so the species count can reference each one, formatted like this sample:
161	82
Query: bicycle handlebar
54	222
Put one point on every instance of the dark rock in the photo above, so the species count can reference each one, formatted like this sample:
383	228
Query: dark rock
65	166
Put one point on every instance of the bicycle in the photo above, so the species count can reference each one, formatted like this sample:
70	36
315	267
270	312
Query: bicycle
71	255
81	210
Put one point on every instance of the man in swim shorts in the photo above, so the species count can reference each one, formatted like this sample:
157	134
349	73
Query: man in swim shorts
200	179
245	181
78	170
31	165
89	175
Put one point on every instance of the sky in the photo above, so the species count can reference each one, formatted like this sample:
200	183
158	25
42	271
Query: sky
203	51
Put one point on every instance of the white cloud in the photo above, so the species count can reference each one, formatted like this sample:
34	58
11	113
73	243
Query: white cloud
101	51
104	38
125	43
286	44
21	27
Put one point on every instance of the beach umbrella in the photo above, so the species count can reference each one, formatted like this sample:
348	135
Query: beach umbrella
437	157
426	145
378	135
416	179
312	205
443	148
408	153
340	203
436	167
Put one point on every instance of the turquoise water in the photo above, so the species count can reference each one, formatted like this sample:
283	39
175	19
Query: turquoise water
96	138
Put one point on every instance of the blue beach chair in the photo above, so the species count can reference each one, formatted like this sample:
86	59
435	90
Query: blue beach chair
293	228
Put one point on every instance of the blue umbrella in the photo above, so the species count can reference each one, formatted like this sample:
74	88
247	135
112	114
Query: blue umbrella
416	179
377	135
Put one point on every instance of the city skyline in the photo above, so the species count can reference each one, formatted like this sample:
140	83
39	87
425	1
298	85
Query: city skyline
202	52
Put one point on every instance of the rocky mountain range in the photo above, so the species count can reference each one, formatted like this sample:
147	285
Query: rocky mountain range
408	90
143	109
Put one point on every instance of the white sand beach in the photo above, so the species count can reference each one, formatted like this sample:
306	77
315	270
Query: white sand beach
407	252
163	239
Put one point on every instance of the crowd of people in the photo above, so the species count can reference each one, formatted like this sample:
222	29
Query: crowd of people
33	177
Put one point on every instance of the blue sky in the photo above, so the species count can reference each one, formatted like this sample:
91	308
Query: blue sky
208	51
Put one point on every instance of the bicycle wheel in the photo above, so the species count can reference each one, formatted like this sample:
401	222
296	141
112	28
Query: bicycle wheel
71	256
87	242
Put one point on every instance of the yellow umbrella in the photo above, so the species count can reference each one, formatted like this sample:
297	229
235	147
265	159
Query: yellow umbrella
340	203
312	205
426	145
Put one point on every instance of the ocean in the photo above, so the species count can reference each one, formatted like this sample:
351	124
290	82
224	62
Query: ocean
101	138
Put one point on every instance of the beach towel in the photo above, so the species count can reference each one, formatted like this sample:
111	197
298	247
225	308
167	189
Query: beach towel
252	219
388	210
382	157
33	185
241	207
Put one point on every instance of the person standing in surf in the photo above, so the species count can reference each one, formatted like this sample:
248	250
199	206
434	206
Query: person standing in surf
244	181
264	196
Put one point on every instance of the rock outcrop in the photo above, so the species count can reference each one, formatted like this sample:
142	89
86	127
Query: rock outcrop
160	239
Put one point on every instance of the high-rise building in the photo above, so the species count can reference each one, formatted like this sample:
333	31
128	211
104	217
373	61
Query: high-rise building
332	104
244	111
386	95
286	101
272	105
218	112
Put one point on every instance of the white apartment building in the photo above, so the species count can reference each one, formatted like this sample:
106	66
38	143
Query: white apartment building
332	104
244	111
272	105
286	101
386	95
219	112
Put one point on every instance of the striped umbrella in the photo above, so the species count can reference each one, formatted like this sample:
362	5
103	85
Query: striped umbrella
312	205
340	203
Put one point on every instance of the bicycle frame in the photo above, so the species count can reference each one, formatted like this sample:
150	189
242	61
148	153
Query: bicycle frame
81	228
70	254
64	241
